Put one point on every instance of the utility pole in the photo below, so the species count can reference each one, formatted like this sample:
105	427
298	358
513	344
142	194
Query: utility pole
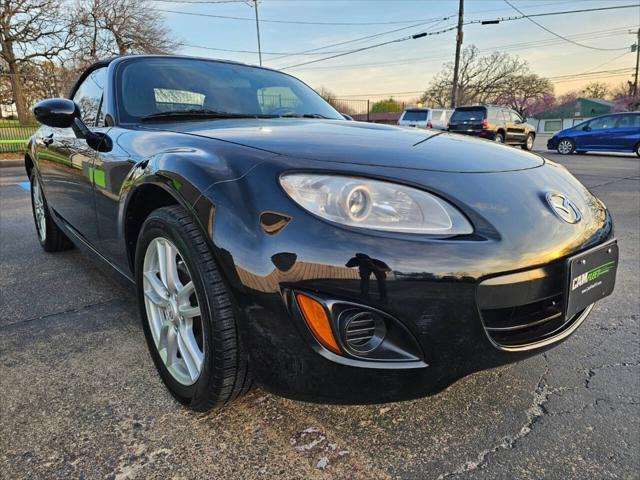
255	6
635	84
454	89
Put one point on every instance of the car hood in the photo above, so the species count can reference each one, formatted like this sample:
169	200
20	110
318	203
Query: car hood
361	143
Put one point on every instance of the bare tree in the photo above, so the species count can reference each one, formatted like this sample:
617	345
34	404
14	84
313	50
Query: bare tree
525	93
596	90
30	30
482	79
122	27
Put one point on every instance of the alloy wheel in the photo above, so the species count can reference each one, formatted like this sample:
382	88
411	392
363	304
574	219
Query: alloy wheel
38	209
565	147
529	142
173	311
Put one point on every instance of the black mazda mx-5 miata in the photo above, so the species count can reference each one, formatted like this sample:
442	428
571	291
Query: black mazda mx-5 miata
271	240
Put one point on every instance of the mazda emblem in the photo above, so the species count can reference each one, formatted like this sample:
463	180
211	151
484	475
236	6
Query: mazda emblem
563	207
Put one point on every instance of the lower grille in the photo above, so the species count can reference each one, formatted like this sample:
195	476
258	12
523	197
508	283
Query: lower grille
524	308
514	326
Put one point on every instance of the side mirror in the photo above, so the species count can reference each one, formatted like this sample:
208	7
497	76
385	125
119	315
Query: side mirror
65	113
56	112
586	128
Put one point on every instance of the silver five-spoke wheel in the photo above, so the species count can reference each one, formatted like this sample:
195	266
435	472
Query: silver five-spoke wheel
38	208
565	147
173	311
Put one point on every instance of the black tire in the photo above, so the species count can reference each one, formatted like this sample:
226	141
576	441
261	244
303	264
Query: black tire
50	236
528	142
225	373
566	146
638	149
499	138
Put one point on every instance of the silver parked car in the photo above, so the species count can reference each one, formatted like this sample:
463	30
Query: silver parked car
425	118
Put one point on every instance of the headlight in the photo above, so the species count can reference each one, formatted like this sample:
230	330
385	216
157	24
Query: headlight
364	203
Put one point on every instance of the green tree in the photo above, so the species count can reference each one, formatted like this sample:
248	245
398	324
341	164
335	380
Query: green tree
386	106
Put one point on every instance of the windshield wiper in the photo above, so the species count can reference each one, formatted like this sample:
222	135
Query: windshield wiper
302	115
200	113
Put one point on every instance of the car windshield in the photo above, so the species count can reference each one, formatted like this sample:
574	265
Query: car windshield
187	88
415	115
468	115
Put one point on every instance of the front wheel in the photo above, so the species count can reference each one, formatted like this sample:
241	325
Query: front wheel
187	313
528	143
566	146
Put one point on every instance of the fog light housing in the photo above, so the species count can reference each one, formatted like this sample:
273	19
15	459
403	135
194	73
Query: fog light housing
362	331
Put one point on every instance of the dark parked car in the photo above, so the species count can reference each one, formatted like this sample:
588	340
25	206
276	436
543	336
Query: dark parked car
270	240
499	124
618	132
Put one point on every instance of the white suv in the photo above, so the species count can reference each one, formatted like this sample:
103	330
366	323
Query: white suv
425	118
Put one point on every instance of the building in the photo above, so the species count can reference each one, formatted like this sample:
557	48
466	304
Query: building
572	113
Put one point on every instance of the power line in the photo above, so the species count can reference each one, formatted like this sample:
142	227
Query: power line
369	47
582	74
426	34
368	37
190	45
506	47
528	17
202	2
558	79
294	22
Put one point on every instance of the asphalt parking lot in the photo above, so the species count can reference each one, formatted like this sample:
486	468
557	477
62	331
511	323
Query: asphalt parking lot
80	397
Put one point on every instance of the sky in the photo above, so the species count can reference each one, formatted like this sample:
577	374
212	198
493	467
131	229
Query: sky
402	69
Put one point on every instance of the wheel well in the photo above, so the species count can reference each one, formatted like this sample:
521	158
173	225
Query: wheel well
145	200
500	130
28	164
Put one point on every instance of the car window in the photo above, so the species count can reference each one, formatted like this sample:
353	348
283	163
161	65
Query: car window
512	116
468	115
170	100
495	115
149	86
628	121
88	96
602	123
272	99
415	115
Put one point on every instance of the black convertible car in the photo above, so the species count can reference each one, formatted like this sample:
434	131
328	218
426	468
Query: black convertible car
270	240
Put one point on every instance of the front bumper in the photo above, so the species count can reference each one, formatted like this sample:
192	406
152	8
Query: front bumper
436	288
552	143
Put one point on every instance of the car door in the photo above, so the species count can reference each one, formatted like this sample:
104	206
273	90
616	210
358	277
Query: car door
515	127
66	162
600	133
626	133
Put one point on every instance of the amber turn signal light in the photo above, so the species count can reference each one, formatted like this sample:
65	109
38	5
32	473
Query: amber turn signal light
316	317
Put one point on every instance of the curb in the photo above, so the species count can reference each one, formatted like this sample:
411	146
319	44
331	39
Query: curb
11	163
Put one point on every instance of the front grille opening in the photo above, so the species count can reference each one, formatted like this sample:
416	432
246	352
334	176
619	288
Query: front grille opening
363	331
525	324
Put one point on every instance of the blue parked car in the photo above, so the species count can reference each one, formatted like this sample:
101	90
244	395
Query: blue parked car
619	132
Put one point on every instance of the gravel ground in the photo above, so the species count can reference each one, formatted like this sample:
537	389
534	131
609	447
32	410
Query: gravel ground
80	397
